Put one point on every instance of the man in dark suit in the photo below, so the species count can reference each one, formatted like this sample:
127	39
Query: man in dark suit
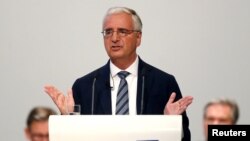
150	91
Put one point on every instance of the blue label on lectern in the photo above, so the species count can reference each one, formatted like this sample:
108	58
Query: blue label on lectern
147	140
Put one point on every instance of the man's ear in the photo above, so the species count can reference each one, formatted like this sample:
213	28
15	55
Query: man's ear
27	133
138	36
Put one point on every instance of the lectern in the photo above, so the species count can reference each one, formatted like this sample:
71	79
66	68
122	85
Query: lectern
115	128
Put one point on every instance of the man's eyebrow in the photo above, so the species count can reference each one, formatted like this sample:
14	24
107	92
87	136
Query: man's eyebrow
117	29
122	29
108	29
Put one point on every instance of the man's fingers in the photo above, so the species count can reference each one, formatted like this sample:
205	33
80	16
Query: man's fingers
70	99
56	95
172	97
186	101
60	100
50	91
70	93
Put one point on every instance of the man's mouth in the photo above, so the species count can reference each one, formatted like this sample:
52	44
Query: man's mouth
116	47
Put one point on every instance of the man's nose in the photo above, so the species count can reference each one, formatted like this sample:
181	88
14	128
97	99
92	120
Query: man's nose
215	122
115	37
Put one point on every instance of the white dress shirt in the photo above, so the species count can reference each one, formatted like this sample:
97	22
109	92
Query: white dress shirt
132	85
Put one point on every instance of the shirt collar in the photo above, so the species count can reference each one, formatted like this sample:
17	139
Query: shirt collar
132	69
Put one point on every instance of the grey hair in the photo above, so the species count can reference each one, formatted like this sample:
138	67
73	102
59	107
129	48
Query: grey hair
225	101
136	18
39	113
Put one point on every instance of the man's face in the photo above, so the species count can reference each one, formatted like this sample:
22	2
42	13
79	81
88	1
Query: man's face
119	47
38	131
217	114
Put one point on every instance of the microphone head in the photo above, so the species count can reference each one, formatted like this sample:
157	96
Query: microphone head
109	85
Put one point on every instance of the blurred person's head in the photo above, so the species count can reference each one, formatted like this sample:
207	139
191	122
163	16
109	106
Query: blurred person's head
220	112
37	124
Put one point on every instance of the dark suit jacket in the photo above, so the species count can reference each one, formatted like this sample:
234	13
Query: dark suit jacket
93	92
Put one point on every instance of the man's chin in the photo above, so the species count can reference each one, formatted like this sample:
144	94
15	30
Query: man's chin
115	56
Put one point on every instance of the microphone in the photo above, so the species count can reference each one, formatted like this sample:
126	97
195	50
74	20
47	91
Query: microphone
93	93
142	89
109	85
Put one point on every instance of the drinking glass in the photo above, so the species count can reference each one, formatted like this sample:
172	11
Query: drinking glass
74	110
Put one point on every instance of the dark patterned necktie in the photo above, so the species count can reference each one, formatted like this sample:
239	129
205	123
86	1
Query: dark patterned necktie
122	106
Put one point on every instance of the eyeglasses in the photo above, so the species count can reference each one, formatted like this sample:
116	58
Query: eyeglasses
121	32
